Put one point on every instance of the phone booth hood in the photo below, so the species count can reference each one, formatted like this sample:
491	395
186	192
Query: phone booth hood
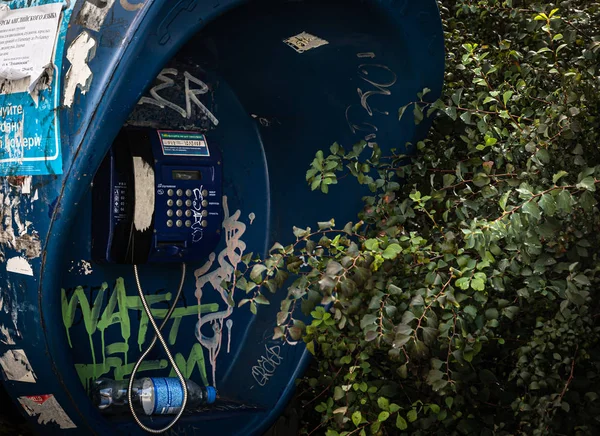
269	83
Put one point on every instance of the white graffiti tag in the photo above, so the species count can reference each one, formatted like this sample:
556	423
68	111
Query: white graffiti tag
191	95
228	260
266	365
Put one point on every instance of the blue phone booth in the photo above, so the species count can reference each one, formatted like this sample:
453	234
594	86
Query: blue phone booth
234	99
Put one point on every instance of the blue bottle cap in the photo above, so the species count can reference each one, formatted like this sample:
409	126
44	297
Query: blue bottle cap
211	394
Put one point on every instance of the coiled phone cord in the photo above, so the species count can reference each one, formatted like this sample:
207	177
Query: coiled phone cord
160	338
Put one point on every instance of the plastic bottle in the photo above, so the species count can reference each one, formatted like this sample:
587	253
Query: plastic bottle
150	395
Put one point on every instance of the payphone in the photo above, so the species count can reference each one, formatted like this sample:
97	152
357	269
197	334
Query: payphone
157	198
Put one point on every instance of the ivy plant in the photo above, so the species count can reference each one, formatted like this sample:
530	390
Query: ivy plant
464	299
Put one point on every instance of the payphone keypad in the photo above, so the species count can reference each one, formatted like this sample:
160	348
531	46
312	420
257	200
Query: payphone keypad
176	198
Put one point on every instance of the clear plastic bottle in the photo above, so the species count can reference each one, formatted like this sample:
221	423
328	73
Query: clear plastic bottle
150	395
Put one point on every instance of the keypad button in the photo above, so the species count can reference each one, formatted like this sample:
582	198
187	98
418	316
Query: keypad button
169	202
179	212
170	192
204	203
204	223
204	193
188	213
188	203
188	223
188	192
170	223
179	203
179	223
169	212
204	213
179	192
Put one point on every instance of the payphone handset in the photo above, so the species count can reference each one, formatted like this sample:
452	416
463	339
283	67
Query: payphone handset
157	198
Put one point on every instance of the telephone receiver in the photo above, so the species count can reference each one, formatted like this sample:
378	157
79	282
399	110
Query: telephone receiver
157	197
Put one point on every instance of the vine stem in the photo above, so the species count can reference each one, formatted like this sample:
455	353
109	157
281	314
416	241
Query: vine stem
431	304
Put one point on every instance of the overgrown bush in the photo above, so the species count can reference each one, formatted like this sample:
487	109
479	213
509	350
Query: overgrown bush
464	301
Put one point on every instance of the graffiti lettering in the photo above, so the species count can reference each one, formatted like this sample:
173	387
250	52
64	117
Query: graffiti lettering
197	232
191	95
228	260
382	87
98	319
266	365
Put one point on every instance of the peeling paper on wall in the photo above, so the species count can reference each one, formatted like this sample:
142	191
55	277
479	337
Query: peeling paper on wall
19	265
80	52
14	233
47	410
33	34
93	15
16	366
5	337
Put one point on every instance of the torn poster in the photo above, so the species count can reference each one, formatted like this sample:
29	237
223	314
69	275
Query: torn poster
16	366
32	43
47	409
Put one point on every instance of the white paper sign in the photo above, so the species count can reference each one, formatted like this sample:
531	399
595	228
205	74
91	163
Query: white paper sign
27	39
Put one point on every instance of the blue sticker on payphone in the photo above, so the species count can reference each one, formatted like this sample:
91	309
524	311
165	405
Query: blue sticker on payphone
183	143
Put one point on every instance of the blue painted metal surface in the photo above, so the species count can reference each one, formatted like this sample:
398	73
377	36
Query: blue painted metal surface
270	109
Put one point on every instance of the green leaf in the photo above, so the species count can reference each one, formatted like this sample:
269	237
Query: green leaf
532	208
401	422
418	113
463	283
449	402
492	313
383	416
564	201
338	393
372	244
394	408
478	284
256	273
506	97
261	299
548	204
559	175
543	156
411	415
588	183
504	200
582	280
392	251
357	418
367	320
383	403
481	179
471	311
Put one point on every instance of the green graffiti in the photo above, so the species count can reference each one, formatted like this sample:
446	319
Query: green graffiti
196	358
117	312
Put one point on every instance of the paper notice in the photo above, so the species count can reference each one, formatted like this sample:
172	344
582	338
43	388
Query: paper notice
27	39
